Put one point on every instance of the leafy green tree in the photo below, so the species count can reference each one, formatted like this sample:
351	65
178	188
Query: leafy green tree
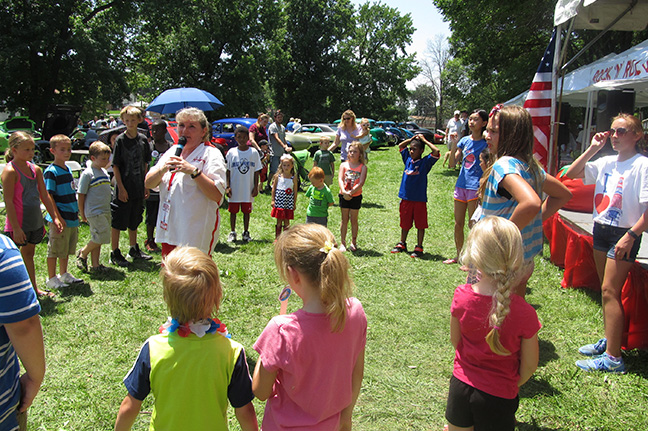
501	43
61	52
424	98
306	64
379	66
218	46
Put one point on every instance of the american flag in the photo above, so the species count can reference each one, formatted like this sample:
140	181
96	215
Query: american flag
538	103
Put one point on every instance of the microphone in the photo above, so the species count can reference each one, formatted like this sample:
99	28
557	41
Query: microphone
182	141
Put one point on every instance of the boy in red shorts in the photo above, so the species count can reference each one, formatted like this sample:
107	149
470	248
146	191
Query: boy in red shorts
413	190
243	167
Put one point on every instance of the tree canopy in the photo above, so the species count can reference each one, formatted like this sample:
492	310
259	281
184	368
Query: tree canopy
313	59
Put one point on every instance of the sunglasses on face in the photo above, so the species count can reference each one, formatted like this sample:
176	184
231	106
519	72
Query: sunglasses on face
346	118
620	131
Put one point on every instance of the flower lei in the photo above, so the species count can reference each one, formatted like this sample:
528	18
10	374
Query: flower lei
200	327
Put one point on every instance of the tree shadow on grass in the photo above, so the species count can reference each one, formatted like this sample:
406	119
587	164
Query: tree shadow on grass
637	363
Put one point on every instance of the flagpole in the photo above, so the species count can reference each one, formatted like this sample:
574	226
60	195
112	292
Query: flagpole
552	167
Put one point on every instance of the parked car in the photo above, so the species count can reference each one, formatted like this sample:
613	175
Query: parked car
15	124
224	129
394	133
434	137
313	132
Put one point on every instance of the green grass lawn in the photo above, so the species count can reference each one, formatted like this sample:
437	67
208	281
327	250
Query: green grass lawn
93	331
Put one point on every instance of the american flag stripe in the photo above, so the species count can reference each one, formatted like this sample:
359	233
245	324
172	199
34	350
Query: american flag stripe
538	103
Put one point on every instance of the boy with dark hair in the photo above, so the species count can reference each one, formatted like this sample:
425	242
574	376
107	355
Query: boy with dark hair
413	190
59	184
130	160
243	167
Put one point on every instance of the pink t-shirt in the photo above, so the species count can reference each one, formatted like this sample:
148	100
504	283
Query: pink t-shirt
314	368
475	364
351	177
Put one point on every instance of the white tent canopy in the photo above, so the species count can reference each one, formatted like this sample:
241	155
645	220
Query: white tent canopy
612	72
598	14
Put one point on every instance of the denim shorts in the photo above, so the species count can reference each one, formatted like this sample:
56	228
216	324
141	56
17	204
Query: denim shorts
606	237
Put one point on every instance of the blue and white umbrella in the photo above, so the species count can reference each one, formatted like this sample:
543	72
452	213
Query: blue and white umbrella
173	100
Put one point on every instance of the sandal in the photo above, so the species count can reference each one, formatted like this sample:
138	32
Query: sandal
418	252
353	247
400	247
44	293
450	261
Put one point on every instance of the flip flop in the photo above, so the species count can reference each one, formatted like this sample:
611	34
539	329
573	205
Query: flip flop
450	261
352	247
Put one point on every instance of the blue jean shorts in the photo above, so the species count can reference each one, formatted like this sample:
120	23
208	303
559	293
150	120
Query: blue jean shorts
606	237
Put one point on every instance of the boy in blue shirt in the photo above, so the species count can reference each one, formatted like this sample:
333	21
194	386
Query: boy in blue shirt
413	190
59	184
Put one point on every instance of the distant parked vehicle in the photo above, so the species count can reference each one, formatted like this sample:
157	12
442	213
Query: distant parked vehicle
313	132
435	138
224	129
15	124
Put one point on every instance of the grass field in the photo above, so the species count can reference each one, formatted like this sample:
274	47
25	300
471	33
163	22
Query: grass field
93	331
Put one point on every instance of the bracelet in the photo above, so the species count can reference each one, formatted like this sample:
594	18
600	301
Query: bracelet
632	234
196	173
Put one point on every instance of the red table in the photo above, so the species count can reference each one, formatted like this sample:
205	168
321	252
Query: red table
571	249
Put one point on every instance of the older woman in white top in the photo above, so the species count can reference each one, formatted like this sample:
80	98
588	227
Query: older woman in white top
192	187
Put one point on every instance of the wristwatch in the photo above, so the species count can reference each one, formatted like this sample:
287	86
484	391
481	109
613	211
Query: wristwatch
196	173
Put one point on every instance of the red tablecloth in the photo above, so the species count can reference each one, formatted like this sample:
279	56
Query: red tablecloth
571	249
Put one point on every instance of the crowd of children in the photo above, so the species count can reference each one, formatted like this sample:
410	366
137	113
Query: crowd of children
311	362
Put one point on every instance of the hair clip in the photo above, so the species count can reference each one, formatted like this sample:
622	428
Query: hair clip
328	246
495	109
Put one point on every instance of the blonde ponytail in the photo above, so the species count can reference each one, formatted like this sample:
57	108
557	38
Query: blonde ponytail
309	248
494	247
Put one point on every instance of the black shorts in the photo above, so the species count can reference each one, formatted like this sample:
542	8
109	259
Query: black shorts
32	237
605	238
127	215
355	203
468	407
152	207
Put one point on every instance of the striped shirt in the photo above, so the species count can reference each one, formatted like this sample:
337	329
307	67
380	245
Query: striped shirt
17	303
495	204
59	183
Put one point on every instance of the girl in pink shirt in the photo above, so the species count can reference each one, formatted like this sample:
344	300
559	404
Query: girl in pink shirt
494	332
311	362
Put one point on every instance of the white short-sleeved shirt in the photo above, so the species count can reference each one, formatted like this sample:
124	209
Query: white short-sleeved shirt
241	166
621	189
191	219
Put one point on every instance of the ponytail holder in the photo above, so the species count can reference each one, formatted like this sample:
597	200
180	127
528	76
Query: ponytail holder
328	246
496	327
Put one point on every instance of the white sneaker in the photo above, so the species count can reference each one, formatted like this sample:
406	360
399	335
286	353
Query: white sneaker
55	283
68	278
231	237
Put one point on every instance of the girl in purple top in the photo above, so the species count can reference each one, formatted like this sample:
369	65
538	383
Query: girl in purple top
465	192
311	362
347	132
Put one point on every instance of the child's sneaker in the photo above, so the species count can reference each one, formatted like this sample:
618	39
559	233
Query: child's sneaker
55	283
602	363
81	262
68	278
231	237
98	269
418	252
595	349
400	247
136	253
246	236
116	258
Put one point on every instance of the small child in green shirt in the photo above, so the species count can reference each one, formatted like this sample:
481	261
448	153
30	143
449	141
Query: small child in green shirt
320	198
325	159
